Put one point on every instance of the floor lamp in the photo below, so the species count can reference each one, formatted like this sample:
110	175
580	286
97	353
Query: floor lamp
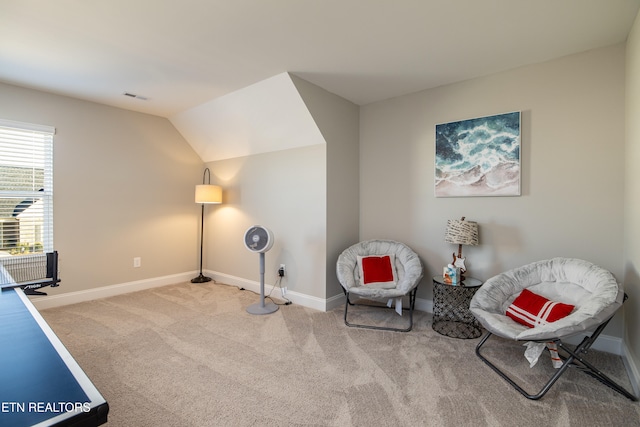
205	194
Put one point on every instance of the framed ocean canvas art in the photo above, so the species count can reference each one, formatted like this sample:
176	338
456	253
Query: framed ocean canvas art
478	157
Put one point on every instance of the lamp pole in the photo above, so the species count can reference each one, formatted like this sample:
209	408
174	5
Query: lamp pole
201	278
205	193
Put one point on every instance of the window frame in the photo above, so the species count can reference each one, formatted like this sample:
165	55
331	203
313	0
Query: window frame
12	133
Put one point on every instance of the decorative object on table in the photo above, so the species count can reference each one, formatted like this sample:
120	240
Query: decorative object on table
478	157
461	232
395	271
205	194
451	274
593	291
260	239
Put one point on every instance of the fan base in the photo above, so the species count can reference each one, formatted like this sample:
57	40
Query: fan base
259	309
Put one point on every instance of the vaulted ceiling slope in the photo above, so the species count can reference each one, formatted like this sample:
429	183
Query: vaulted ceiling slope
176	55
267	116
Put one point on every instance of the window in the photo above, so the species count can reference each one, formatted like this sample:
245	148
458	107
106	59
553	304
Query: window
26	188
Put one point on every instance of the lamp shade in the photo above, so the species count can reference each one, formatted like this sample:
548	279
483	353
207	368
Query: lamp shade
207	193
461	232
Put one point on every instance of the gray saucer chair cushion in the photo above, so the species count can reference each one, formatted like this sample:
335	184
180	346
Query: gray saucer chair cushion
593	290
408	269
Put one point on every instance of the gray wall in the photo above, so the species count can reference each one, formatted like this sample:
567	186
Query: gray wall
338	121
307	196
632	197
284	191
572	168
124	182
123	188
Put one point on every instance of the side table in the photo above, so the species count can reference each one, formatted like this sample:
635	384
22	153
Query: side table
451	315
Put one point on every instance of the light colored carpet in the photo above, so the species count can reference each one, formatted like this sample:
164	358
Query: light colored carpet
190	355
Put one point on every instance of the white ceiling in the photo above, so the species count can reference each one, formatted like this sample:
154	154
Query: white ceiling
180	54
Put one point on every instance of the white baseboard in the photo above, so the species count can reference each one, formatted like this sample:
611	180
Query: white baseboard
632	370
335	302
424	305
295	297
604	343
51	301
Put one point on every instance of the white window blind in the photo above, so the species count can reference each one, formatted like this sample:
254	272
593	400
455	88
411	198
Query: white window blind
26	188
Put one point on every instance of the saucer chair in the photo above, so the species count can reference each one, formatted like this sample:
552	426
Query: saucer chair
380	271
588	294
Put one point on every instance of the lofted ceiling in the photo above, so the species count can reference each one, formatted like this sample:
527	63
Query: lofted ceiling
171	56
267	116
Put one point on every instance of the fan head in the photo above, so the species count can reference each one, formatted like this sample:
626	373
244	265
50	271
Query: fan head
258	239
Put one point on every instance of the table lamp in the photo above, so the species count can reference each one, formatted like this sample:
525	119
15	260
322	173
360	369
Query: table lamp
461	232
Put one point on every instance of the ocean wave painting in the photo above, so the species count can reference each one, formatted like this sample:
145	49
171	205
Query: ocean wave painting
478	157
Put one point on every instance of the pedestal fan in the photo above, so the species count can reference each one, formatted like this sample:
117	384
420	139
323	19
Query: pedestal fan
260	239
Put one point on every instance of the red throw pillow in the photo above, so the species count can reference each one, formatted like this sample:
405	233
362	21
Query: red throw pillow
377	271
531	309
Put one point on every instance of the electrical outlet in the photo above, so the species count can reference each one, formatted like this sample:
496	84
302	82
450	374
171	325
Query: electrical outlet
281	270
137	262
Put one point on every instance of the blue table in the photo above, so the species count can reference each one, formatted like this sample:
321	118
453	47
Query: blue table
40	382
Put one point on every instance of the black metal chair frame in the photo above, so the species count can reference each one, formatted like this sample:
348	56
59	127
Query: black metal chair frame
572	358
412	303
